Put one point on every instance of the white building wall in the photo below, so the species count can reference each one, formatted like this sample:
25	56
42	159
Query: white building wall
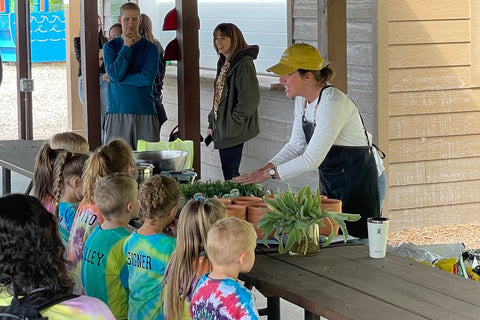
263	22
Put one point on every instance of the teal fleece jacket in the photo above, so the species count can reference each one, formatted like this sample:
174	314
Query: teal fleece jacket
237	114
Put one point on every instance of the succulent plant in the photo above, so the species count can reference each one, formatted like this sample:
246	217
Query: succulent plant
294	215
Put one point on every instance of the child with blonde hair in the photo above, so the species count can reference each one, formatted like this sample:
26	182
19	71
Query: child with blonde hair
43	169
230	248
116	156
69	141
188	262
67	189
148	249
104	267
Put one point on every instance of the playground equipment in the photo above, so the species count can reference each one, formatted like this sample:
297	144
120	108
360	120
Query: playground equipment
47	33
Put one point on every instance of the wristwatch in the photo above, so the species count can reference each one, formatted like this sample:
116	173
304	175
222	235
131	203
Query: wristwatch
273	173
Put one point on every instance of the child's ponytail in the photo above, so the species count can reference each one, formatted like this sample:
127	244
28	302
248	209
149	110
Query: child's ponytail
43	172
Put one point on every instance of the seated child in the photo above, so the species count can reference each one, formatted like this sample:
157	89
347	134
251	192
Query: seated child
148	249
32	255
188	262
116	156
104	267
230	248
67	189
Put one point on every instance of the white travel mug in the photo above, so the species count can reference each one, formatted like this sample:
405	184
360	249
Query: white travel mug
377	236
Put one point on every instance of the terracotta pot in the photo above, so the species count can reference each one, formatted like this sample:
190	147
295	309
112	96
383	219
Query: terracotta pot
325	230
235	210
330	205
245	200
334	205
269	196
224	201
254	212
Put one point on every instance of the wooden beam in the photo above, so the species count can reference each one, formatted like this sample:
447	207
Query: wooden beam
72	30
24	69
337	41
91	85
188	77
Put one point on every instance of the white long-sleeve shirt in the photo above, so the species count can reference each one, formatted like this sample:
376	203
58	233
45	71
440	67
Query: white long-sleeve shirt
337	123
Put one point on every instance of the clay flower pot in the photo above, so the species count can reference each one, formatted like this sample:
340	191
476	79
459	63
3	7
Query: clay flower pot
254	212
246	200
329	205
224	201
235	210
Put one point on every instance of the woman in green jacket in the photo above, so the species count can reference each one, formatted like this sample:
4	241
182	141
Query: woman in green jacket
234	116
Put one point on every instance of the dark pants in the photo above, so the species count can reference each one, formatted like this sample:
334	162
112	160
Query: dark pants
230	159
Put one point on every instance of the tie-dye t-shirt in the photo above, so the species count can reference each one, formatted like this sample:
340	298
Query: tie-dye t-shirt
147	259
223	299
66	215
104	269
80	308
87	218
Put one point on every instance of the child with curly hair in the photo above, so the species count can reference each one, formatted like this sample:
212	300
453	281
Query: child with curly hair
67	189
116	156
148	249
188	262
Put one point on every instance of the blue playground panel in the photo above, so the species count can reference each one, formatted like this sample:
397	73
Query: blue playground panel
47	33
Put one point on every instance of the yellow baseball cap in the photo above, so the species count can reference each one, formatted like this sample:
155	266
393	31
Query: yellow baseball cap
298	56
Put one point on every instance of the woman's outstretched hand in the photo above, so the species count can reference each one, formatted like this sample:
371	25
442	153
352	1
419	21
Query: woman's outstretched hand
257	176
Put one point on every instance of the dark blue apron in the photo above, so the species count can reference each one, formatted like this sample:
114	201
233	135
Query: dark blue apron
350	174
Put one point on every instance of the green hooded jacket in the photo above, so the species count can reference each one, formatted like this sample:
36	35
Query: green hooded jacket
237	114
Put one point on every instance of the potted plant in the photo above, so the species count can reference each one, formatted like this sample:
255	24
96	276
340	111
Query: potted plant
297	217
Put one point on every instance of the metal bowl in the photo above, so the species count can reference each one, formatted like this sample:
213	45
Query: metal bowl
163	160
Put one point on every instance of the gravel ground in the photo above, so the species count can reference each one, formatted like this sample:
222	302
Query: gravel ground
49	105
50	116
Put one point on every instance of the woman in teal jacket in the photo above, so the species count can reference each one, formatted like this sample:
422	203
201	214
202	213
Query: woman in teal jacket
234	116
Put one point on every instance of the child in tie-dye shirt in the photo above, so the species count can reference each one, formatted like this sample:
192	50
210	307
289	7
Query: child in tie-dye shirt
116	156
148	250
104	267
34	260
231	246
67	189
189	262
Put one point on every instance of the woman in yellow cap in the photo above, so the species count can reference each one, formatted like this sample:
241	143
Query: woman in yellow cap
328	134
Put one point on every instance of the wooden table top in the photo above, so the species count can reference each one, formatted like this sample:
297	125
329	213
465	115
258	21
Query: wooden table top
343	282
19	155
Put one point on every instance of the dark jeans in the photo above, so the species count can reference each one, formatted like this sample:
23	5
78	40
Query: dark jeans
230	159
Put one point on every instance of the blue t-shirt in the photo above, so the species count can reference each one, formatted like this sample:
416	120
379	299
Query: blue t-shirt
132	71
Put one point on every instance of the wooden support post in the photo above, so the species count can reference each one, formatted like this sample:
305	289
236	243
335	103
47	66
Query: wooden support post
91	85
332	38
24	69
72	23
188	76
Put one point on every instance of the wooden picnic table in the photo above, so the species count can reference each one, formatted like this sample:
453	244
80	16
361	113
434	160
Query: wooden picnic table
343	282
18	156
